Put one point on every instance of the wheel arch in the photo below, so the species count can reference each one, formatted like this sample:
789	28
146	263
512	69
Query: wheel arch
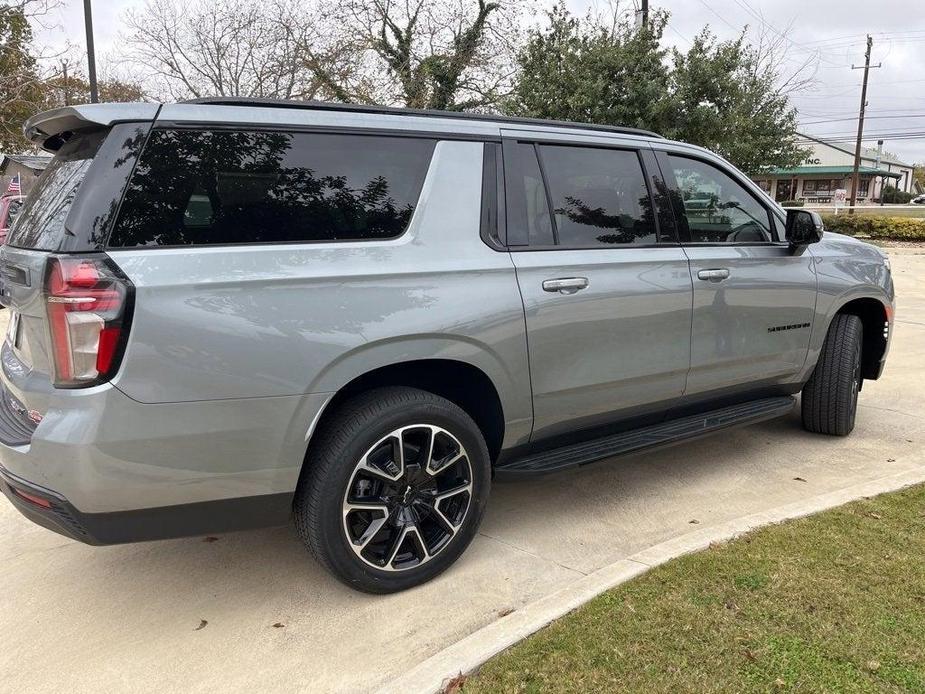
875	317
460	382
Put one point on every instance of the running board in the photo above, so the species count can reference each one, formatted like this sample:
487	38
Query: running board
653	436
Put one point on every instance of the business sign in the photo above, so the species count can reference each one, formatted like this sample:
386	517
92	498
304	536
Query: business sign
840	197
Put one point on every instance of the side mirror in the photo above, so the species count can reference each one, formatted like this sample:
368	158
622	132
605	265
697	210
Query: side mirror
803	227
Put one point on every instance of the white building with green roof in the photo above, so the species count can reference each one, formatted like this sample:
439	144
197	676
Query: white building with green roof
829	167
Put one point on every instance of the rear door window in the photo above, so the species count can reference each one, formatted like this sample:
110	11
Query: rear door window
201	187
599	197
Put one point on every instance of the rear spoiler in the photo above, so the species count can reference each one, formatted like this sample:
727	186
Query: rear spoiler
51	129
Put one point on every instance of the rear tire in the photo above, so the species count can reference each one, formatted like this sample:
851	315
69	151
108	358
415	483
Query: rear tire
830	397
394	490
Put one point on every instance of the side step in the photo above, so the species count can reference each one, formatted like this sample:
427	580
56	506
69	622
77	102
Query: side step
656	435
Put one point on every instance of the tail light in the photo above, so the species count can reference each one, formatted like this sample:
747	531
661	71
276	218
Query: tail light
89	309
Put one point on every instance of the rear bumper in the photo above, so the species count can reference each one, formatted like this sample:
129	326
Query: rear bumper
107	469
52	511
29	498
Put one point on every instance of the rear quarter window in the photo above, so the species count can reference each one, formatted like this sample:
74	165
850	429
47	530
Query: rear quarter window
40	222
203	187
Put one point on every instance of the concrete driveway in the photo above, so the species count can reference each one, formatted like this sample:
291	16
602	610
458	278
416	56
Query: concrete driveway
251	611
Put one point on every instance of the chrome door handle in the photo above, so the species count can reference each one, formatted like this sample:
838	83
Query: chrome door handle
565	285
717	275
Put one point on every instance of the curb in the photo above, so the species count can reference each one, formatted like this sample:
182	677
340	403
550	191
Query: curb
466	655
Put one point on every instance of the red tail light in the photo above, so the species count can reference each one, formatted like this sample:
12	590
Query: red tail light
31	498
89	307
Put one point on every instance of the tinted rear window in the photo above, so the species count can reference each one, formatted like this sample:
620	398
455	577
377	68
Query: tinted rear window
225	187
599	196
40	223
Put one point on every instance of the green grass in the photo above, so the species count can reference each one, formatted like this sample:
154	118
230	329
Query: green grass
886	211
830	603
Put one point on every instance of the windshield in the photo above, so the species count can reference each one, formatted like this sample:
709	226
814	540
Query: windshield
40	223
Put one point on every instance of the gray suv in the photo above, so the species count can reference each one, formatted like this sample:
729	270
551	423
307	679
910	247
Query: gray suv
228	313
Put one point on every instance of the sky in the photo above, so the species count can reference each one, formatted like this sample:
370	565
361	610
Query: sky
831	34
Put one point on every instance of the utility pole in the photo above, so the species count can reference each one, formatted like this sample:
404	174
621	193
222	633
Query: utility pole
645	13
91	54
67	93
856	179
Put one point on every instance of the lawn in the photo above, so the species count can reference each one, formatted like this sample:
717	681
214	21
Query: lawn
830	603
885	211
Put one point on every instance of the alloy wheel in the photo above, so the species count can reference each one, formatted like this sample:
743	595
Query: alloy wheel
407	497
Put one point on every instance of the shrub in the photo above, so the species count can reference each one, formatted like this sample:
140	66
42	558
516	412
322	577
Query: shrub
893	196
792	203
897	228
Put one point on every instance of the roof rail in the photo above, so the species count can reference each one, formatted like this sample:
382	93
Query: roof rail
394	111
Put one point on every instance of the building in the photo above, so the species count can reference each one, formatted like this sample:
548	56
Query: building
28	166
830	167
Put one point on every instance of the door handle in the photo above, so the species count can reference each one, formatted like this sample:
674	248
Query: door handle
717	275
565	285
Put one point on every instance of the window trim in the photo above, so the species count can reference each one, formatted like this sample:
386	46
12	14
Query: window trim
666	224
204	126
552	210
518	239
661	156
492	227
670	234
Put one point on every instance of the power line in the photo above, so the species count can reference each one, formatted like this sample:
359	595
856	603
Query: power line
880	133
917	135
757	15
721	18
852	112
858	84
835	120
679	34
887	135
884	34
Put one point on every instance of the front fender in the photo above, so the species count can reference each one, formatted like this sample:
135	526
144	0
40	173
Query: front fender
846	270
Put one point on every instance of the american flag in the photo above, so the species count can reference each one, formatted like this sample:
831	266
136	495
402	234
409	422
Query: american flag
14	186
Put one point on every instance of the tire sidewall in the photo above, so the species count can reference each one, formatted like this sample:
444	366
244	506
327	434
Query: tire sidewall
343	560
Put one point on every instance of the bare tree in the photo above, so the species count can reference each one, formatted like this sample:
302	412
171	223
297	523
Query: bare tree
443	54
776	52
226	48
65	84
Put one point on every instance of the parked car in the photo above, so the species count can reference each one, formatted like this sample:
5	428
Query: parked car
228	313
919	200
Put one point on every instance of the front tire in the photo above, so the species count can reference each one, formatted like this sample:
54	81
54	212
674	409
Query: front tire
830	397
394	491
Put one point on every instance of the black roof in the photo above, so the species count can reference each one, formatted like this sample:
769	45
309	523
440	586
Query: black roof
394	111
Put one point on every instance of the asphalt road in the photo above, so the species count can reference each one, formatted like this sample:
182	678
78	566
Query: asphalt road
252	611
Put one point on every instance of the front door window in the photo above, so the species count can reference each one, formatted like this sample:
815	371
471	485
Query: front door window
717	209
